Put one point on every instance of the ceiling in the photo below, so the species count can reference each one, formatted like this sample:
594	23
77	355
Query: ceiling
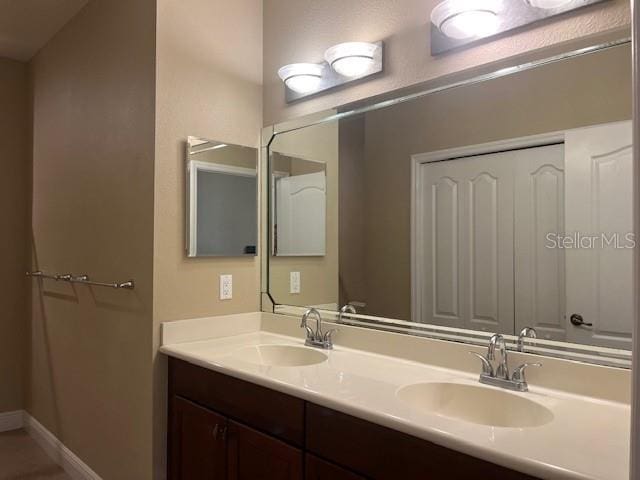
27	25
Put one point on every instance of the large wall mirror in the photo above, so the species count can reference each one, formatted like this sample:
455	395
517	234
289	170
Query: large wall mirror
222	199
489	206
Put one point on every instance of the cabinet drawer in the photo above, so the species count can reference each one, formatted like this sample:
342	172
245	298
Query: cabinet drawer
383	453
272	412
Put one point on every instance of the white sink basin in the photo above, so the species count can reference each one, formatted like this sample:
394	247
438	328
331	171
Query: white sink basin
280	355
476	404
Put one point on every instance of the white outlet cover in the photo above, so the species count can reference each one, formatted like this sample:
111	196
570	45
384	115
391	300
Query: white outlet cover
226	287
294	282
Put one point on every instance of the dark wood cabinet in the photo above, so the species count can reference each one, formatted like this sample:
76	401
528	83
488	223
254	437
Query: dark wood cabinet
386	454
198	450
274	413
318	469
205	445
255	456
223	428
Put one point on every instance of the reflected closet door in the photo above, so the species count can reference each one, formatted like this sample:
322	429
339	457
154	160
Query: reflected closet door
465	242
539	212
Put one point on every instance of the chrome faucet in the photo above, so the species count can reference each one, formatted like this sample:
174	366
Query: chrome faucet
316	338
500	376
345	310
497	342
526	332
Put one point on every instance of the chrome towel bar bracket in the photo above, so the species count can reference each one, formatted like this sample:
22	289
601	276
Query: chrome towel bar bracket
83	279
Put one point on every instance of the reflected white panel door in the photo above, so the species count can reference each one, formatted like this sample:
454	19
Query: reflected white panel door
598	169
466	242
539	270
301	214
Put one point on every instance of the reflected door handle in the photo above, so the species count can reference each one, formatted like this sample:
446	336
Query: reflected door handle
578	321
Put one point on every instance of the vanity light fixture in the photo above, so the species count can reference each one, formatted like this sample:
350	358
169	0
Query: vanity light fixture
302	78
344	63
462	19
457	23
351	59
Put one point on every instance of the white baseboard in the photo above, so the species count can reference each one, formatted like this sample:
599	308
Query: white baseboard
69	461
11	420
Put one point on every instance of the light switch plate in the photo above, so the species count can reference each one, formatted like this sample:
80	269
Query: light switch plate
226	287
294	282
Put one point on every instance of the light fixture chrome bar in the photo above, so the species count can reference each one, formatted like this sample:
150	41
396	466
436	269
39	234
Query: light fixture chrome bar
84	279
512	14
331	79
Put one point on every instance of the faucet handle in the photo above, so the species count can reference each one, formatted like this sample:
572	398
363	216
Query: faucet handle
518	373
487	368
327	339
327	336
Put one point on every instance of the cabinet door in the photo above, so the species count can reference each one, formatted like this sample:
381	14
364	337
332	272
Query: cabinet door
255	456
386	454
197	449
318	469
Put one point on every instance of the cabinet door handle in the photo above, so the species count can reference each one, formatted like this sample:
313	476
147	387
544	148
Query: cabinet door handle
219	432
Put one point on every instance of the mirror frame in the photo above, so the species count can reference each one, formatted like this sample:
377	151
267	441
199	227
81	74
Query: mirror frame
548	348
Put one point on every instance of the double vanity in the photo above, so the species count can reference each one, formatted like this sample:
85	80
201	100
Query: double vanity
248	399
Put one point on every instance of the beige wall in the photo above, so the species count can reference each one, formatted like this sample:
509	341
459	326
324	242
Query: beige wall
352	280
90	378
585	91
301	30
14	242
209	65
201	93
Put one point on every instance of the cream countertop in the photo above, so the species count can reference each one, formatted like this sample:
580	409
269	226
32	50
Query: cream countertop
587	439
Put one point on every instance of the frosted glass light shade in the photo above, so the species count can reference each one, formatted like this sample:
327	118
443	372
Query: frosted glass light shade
548	4
351	59
301	77
462	19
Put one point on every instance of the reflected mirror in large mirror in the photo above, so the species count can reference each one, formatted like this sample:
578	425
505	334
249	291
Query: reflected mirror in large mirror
489	206
299	205
222	199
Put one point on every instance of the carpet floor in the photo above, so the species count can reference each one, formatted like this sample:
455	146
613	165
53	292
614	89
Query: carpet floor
21	458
